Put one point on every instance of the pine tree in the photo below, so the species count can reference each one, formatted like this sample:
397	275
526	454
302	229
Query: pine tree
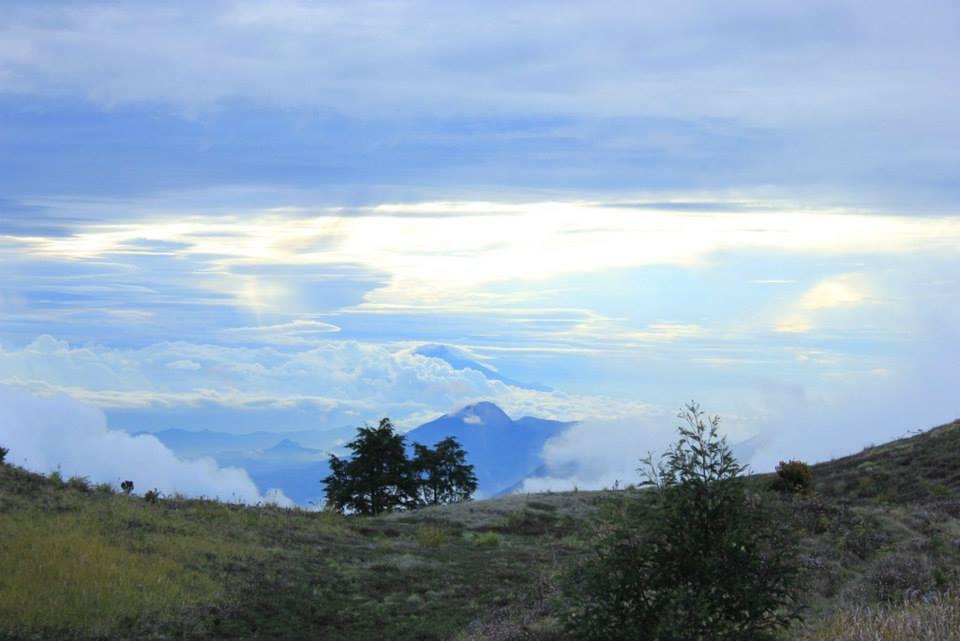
377	478
442	474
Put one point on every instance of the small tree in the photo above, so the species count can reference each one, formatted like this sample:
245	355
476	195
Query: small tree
793	477
442	474
377	478
3	454
696	558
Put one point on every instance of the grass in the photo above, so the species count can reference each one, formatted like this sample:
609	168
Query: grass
934	619
62	575
880	543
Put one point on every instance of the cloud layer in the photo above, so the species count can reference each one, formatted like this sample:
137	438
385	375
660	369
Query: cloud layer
51	433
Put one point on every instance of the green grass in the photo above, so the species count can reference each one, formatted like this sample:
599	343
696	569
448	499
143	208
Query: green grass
880	532
61	574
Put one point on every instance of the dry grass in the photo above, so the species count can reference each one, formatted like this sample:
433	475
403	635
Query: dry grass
934	619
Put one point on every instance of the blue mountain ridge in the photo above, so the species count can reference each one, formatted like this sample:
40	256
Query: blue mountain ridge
503	451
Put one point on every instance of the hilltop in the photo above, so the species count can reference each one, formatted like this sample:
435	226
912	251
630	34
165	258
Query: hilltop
83	562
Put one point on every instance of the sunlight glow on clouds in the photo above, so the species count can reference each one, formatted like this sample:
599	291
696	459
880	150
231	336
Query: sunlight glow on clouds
438	261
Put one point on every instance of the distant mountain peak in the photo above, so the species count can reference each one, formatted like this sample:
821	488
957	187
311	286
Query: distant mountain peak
461	359
484	412
286	446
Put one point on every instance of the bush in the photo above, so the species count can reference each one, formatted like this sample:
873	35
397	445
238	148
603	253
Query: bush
694	558
104	488
793	477
432	536
152	496
487	540
79	483
126	486
3	453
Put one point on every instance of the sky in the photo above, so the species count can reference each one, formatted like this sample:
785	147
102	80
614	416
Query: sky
243	216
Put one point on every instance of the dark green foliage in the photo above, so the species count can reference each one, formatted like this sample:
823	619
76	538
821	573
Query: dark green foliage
694	558
3	453
127	487
793	477
442	474
377	478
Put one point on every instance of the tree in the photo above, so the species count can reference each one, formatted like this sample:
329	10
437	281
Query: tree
377	478
442	474
694	558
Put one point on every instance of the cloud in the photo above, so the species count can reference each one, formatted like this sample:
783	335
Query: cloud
839	292
298	332
184	364
58	433
752	59
595	454
328	384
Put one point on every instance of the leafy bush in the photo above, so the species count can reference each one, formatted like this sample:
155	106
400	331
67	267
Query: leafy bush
694	558
126	486
793	477
104	488
3	453
79	483
152	496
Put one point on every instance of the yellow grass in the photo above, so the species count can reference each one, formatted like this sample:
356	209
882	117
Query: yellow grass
58	572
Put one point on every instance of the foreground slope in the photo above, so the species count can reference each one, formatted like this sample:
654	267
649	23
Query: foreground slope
86	563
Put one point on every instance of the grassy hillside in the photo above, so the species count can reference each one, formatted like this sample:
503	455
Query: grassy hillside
880	541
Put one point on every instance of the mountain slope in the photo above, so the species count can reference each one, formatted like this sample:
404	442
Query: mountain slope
478	571
923	466
502	451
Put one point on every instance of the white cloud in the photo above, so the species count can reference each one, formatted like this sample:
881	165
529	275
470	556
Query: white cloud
184	364
597	454
58	433
342	382
449	260
844	291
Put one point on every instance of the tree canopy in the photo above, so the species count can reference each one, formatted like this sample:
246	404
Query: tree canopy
379	477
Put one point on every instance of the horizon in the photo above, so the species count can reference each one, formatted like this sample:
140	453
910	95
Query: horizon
244	218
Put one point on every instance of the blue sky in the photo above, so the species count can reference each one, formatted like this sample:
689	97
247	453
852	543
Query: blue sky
236	215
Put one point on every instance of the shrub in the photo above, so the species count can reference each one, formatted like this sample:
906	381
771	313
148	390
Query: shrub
57	478
104	488
152	496
3	453
431	536
694	558
79	483
793	477
487	540
126	486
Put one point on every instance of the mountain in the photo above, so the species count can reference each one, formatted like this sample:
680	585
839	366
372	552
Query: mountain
459	359
195	444
503	451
